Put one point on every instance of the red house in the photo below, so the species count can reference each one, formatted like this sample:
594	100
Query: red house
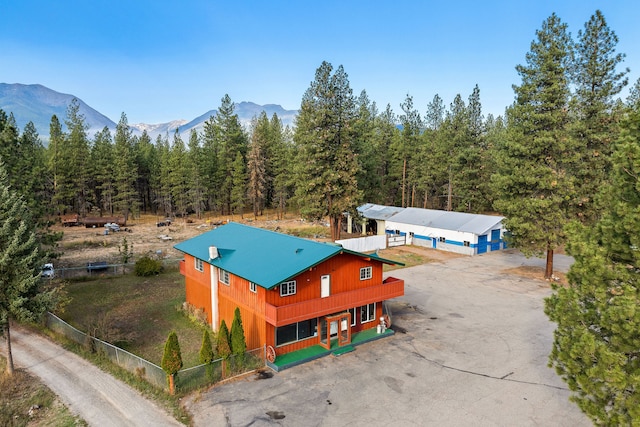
292	293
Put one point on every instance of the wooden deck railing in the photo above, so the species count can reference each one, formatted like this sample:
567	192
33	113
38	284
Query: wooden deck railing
284	315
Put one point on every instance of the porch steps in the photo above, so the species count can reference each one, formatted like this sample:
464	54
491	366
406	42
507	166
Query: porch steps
342	350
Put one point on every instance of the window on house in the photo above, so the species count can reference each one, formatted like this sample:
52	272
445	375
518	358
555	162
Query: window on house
224	277
442	239
288	288
199	265
466	243
366	273
253	287
296	331
368	313
353	316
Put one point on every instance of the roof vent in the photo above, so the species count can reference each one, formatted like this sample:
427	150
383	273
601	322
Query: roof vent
213	252
298	250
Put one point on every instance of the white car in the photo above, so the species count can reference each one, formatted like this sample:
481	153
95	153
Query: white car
48	271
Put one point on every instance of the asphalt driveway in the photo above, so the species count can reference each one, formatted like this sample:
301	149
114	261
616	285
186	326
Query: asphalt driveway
470	348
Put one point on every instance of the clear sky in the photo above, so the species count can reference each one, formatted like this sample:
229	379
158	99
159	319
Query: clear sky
159	60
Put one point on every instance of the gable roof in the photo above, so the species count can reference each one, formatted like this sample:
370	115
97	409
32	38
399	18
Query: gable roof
264	257
380	212
456	221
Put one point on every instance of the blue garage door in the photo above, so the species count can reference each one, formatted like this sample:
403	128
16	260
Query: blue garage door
482	244
495	240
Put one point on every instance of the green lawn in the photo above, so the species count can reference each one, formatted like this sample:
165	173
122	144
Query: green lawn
135	313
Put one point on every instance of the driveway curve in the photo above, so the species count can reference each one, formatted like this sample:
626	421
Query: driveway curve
97	397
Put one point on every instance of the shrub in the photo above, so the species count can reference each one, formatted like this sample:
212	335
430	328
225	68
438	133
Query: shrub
223	343
172	359
146	266
238	342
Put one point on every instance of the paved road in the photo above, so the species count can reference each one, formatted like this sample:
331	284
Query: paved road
470	349
94	395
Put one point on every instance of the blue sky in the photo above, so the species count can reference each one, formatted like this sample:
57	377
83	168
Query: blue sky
161	60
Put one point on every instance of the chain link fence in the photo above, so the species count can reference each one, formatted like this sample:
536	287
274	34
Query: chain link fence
96	269
186	380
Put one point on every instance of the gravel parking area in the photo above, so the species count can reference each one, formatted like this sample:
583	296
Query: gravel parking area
470	348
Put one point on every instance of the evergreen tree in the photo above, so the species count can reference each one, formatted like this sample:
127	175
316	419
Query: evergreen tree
206	350
239	190
368	158
172	360
73	162
223	341
238	341
256	162
386	137
407	149
596	342
147	163
532	180
102	171
163	192
280	165
196	175
597	82
179	175
22	295
327	166
435	113
125	170
54	159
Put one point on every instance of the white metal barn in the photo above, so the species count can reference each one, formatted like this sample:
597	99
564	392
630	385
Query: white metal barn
459	232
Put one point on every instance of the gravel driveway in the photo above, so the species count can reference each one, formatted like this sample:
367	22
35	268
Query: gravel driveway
97	397
470	348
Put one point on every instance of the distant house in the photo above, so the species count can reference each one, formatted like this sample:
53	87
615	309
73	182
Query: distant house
292	293
459	232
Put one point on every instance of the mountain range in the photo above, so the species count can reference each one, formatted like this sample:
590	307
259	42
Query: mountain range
36	103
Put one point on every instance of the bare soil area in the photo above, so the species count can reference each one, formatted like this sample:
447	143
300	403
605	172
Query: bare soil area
81	245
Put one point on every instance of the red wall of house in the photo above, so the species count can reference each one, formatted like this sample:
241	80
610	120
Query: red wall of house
197	287
344	270
238	294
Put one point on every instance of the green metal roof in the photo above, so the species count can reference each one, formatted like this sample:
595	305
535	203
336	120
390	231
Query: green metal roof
261	256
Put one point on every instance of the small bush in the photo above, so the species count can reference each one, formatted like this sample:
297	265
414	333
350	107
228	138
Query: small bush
146	266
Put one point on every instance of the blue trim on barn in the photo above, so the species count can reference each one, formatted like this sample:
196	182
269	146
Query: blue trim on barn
483	245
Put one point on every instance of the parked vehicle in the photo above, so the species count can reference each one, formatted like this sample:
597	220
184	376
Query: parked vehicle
97	266
48	271
112	226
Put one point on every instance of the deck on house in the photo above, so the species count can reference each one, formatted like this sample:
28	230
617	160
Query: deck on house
308	354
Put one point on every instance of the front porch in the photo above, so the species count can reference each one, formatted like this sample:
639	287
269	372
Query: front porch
317	351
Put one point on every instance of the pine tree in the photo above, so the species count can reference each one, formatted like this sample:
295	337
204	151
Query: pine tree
280	165
223	341
596	342
147	163
179	175
257	162
125	170
532	180
102	171
196	175
597	83
22	296
171	360
56	141
327	166
239	180
73	162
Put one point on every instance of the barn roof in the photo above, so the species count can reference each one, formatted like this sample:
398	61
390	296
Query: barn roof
372	211
261	256
456	221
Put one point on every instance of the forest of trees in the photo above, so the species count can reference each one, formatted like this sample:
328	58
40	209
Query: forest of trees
562	165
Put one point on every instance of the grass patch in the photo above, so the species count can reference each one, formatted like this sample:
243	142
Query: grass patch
408	258
135	313
24	400
312	232
86	244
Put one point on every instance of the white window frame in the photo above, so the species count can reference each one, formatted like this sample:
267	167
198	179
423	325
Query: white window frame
199	265
366	273
353	316
288	288
370	314
253	287
224	277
